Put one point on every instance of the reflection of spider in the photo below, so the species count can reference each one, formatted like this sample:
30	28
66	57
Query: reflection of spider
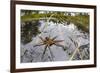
49	42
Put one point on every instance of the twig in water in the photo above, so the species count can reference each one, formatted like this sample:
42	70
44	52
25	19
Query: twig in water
76	50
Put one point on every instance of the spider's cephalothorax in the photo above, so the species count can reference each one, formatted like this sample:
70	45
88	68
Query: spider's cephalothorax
48	42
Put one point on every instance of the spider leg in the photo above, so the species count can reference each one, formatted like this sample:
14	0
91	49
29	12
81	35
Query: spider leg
41	38
60	46
44	52
54	37
56	41
38	45
51	53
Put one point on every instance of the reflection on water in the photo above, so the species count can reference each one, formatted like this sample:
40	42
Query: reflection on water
75	42
28	30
